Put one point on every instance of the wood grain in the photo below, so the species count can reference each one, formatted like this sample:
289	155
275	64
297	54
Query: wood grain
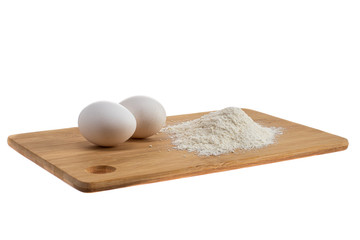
88	168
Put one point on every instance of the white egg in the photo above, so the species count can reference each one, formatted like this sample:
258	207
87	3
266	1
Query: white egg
150	115
106	123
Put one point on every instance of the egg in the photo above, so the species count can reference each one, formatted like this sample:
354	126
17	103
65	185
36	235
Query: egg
150	115
106	124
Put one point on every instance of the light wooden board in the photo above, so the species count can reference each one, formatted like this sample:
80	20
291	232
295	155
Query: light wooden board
67	155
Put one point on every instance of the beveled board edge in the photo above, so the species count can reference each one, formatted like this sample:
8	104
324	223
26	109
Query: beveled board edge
79	185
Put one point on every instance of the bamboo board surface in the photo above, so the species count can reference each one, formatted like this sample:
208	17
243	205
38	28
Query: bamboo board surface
88	168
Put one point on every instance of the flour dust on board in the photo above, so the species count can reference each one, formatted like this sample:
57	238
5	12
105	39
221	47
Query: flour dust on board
221	132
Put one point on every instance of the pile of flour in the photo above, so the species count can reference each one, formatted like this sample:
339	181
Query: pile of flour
221	132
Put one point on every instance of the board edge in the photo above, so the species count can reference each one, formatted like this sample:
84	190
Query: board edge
72	181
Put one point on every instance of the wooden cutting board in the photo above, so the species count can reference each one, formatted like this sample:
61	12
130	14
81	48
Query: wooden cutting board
88	168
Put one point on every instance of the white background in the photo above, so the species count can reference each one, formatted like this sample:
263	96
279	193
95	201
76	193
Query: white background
297	60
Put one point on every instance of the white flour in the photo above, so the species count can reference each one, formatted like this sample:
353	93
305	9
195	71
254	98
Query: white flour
221	132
